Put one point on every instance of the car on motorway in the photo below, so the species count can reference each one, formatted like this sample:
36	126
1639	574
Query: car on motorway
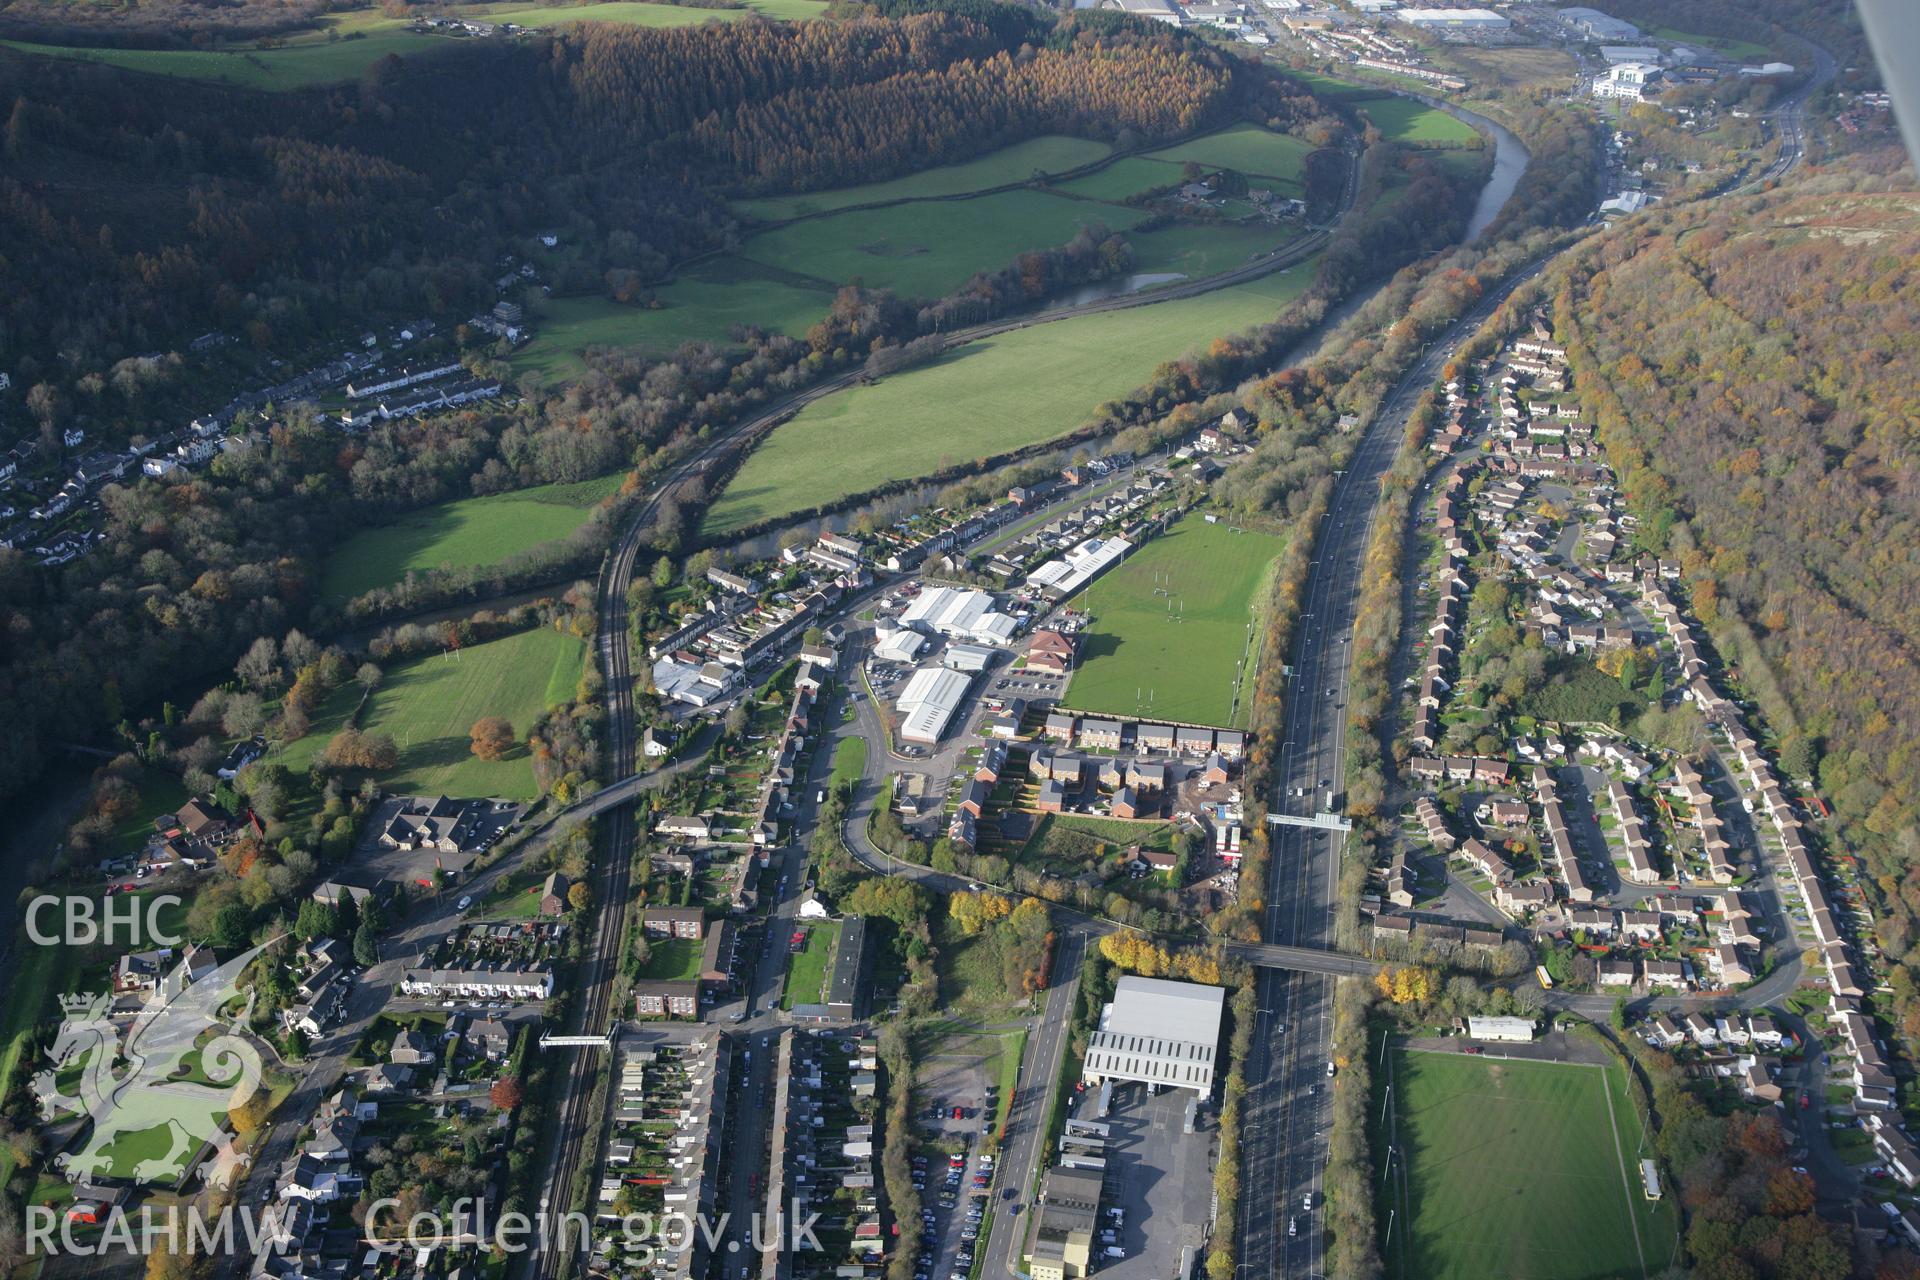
1330	1070
1293	1227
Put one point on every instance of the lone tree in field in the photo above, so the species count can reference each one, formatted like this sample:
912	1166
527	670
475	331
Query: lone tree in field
492	737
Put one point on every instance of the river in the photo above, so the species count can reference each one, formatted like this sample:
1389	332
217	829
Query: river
59	800
1510	160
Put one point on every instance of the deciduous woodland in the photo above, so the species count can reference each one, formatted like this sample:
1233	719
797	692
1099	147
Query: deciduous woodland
133	220
1749	361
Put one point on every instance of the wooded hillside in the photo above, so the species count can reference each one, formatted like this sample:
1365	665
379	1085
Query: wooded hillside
1751	362
131	218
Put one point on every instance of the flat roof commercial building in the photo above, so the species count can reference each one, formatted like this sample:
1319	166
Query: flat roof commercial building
1062	1244
1508	1030
1061	578
959	614
1158	1032
1455	19
1598	25
927	703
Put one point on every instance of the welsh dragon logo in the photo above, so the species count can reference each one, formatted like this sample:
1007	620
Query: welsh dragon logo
147	1123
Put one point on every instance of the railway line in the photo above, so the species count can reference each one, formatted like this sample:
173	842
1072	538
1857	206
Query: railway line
576	1133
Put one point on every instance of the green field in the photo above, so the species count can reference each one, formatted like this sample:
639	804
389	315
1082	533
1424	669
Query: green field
1017	163
1327	86
702	305
1404	120
985	398
1733	48
1123	178
1193	250
1135	660
807	972
1517	1168
1246	148
428	704
462	534
350	43
929	249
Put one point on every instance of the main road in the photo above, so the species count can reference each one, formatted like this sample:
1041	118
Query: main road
1287	1106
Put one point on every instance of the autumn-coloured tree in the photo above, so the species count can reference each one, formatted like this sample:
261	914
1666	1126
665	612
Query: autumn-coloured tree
975	911
353	749
492	737
506	1093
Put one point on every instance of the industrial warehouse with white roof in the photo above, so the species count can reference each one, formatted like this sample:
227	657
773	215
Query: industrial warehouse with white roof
1158	1032
929	700
959	614
1061	578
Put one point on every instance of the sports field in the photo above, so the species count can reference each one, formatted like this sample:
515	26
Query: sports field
1404	120
928	249
458	535
985	398
702	305
1175	625
1515	1168
1017	163
349	43
428	705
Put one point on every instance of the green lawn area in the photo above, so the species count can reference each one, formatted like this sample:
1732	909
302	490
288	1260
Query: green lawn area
350	43
130	1150
849	761
1517	1168
511	899
1136	661
928	250
983	399
160	792
427	705
1017	163
702	305
461	534
672	959
807	972
1403	120
1246	148
1733	48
